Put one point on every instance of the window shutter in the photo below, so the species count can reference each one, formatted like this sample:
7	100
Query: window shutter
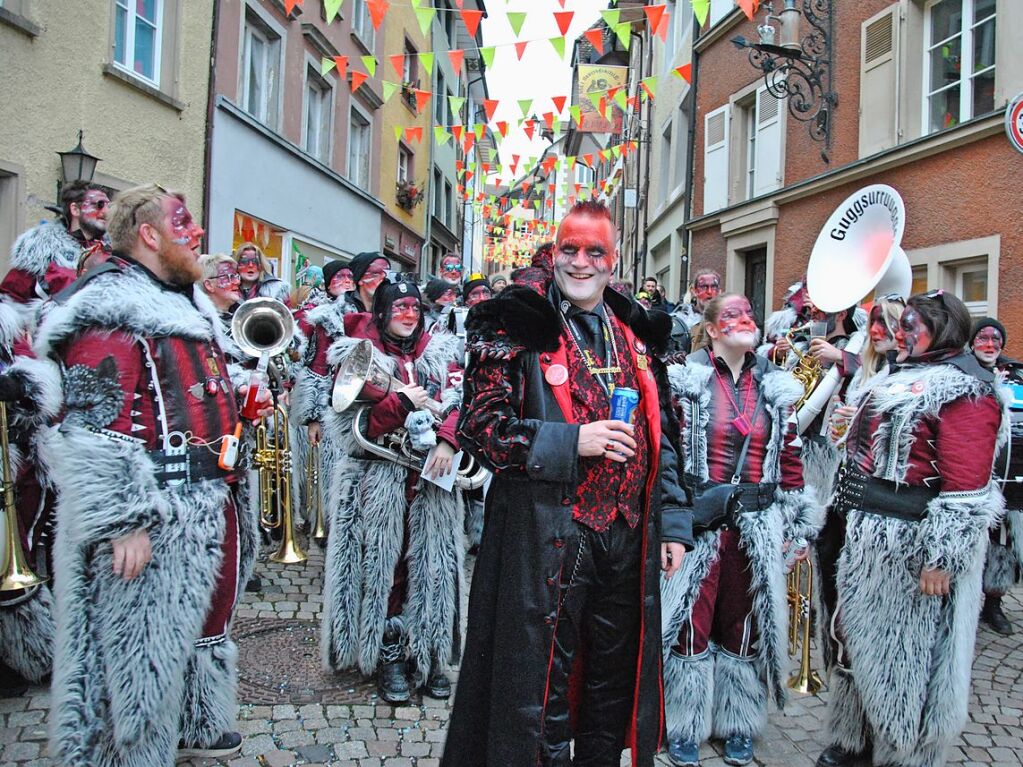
715	160
768	159
879	59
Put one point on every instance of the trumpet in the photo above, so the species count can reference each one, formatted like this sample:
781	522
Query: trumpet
800	593
15	575
312	494
273	462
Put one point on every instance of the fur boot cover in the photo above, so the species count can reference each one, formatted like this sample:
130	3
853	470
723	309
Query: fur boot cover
794	514
911	654
211	681
689	696
26	635
122	655
847	723
368	518
49	243
740	699
1005	556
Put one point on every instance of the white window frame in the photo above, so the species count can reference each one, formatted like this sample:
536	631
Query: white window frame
129	40
947	262
404	170
449	202
362	25
325	134
966	74
976	308
273	35
368	127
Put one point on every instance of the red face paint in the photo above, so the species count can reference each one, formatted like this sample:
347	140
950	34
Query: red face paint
404	317
913	334
478	295
341	282
374	276
706	289
584	258
987	345
249	266
92	213
736	317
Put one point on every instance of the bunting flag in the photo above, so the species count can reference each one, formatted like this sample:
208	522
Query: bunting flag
611	17
502	128
577	114
341	63
472	20
440	136
422	99
456	57
662	29
520	48
490	107
358	78
456	103
289	5
558	44
548	118
377	11
487	54
516	19
414	134
525	105
564	20
649	84
370	63
700	9
425	18
389	89
624	33
398	63
654	14
684	72
426	59
749	7
596	38
559	103
529	127
479	129
326	64
331	8
398	131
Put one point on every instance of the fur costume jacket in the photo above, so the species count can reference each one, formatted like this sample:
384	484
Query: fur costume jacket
311	395
43	260
370	515
934	425
129	680
1005	554
795	514
532	450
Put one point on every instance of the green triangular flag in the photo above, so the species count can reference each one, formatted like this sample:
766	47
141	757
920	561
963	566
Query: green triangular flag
616	150
622	100
398	130
456	103
425	16
426	59
487	52
700	9
651	84
577	113
326	64
536	204
558	44
389	88
479	129
525	105
332	8
440	135
371	65
623	31
595	97
571	161
515	18
611	16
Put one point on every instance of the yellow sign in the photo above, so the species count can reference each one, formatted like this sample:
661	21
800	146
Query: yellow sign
600	79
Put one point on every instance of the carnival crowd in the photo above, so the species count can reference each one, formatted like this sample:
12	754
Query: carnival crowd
638	579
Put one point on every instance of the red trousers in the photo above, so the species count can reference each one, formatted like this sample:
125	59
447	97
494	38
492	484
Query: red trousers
225	591
723	611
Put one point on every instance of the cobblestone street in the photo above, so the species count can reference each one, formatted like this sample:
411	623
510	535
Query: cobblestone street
293	713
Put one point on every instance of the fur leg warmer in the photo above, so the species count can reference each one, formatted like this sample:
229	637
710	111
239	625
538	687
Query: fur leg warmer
26	635
209	708
847	722
688	696
740	696
999	570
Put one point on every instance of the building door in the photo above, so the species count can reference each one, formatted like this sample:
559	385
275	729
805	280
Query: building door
756	281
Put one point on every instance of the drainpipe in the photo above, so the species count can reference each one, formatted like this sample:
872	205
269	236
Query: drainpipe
687	212
211	100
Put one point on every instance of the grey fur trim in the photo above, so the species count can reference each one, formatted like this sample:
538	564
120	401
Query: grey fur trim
953	535
342	347
847	723
690	385
27	630
13	320
802	514
679	593
246	501
40	246
776	326
820	467
330	316
1014	523
688	696
740	697
310	397
209	707
44	398
474	523
999	569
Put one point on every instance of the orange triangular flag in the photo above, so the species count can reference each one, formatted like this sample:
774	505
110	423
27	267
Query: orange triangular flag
289	5
749	7
486	168
528	127
470	139
525	186
341	62
662	28
548	118
596	38
489	107
472	20
578	188
456	56
502	128
377	9
588	158
520	48
398	62
358	78
468	176
563	20
654	13
559	103
685	72
456	131
422	99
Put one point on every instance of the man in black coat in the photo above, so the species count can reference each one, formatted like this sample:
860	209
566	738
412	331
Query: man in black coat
582	516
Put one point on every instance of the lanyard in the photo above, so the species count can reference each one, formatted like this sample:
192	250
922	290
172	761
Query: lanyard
741	422
603	375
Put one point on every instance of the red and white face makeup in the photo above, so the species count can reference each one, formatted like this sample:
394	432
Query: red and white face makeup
446	298
735	326
405	313
92	213
342	282
881	337
987	346
226	286
706	288
374	276
451	269
478	294
584	258
913	335
249	266
180	237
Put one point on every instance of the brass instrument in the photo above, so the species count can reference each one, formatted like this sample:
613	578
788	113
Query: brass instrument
16	575
358	370
800	594
808	369
312	494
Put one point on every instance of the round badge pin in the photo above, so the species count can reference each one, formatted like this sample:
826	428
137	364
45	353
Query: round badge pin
918	387
556	375
640	346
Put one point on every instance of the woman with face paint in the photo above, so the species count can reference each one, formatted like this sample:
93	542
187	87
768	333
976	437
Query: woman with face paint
1005	551
918	499
393	574
257	277
725	621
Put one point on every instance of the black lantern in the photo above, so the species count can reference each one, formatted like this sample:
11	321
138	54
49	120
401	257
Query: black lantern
795	68
77	164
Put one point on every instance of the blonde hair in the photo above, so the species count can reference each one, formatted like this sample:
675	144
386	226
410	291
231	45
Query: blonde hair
209	263
131	209
891	311
300	295
264	262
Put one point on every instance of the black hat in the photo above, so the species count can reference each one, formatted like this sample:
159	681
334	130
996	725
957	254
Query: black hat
331	269
437	287
988	322
361	263
387	294
471	285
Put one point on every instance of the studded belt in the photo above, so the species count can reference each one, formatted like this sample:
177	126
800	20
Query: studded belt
873	495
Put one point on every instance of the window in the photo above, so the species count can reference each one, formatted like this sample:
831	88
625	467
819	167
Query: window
362	24
137	37
919	280
715	159
319	108
759	160
410	71
439	102
446	16
448	203
405	169
959	61
718	10
682	142
359	136
261	71
971	286
438	194
967	268
450	112
665	167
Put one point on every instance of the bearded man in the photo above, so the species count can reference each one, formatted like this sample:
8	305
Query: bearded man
143	666
583	514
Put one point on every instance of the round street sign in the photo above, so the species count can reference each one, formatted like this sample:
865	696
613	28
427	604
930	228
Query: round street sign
1014	122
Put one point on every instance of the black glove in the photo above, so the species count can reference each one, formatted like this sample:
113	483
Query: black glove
12	387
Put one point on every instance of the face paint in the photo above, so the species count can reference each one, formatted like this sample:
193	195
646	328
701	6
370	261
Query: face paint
987	345
584	258
184	230
706	289
374	276
227	276
736	317
880	336
179	243
92	216
404	320
341	282
913	334
478	295
447	297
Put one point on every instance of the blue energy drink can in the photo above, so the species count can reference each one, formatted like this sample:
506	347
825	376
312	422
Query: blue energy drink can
623	404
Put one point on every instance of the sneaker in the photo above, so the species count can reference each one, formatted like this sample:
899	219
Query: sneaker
738	750
684	753
229	743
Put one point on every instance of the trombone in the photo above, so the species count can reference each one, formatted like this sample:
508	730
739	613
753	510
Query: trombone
15	575
800	593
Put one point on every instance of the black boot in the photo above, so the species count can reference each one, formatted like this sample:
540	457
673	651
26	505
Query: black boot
836	756
12	684
993	616
437	684
392	684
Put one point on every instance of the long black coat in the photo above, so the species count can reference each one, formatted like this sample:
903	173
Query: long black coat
502	688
